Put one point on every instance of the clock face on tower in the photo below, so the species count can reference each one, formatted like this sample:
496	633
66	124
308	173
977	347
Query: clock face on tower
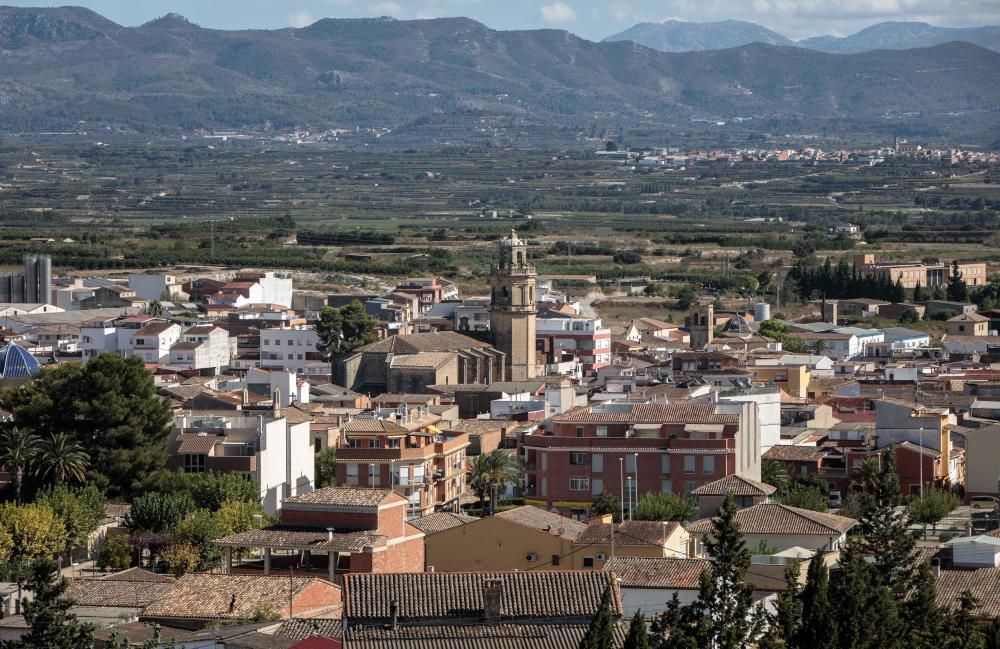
512	308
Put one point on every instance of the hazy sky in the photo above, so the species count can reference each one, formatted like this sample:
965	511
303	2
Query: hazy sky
593	19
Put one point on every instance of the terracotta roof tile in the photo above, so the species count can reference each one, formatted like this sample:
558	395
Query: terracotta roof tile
648	413
442	596
302	629
303	538
537	518
503	636
120	593
440	521
628	533
794	453
656	572
984	584
775	519
197	444
735	485
343	496
207	596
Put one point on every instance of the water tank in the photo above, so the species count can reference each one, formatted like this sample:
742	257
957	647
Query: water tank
31	280
44	271
761	311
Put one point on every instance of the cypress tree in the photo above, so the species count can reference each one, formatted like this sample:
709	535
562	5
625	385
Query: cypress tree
851	588
601	633
638	634
51	624
964	632
673	629
993	635
819	628
886	532
787	611
918	293
726	615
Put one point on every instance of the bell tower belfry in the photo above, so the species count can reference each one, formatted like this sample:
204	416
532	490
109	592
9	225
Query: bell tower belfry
512	308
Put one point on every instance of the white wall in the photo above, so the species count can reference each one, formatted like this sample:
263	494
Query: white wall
652	601
272	464
768	415
301	459
274	342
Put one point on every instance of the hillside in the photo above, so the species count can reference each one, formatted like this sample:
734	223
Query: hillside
680	36
457	79
903	36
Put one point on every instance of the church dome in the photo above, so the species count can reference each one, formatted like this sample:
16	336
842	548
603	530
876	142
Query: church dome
738	325
17	363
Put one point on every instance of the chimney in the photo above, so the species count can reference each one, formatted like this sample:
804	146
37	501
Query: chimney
276	402
394	615
935	567
492	594
329	534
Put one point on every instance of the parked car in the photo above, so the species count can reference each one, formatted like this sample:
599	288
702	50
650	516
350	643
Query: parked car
835	499
984	502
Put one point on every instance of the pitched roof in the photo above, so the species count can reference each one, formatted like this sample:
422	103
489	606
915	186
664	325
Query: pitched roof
794	453
657	572
303	538
302	629
775	519
443	596
984	584
439	341
373	426
138	574
537	518
648	413
628	533
734	485
422	360
503	636
124	593
197	444
343	496
440	521
208	596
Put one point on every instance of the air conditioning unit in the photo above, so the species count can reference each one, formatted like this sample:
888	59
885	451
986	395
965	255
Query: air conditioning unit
531	557
601	556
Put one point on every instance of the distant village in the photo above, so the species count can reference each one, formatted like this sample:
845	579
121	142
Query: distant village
494	455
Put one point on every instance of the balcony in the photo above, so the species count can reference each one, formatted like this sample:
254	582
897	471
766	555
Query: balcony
232	464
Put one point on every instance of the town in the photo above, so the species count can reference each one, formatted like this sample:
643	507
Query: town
302	464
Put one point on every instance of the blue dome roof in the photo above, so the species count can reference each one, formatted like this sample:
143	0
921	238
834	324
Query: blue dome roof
16	363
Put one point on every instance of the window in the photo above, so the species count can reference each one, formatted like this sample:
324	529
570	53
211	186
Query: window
374	475
588	562
317	444
602	431
578	458
392	443
373	443
665	463
555	560
596	487
630	463
579	483
352	475
708	464
688	464
194	463
579	431
289	342
596	463
667	486
690	486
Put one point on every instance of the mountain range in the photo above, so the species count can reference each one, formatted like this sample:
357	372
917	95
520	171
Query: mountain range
680	36
459	81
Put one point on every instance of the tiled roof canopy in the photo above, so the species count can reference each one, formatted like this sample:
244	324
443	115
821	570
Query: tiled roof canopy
735	485
206	596
656	572
503	636
539	519
771	518
343	496
440	521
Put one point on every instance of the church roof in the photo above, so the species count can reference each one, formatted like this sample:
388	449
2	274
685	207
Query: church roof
438	341
16	362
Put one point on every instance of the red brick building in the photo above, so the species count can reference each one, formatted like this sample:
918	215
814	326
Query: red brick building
663	447
335	530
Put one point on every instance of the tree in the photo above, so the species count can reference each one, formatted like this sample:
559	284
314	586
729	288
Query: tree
116	552
918	293
51	625
80	510
675	627
17	450
655	506
924	622
211	490
805	497
726	615
601	632
607	503
993	635
200	528
181	558
775	473
341	331
818	629
110	406
158	513
935	505
886	531
866	611
963	632
803	248
818	347
638	634
35	530
958	290
686	298
787	610
235	517
910	316
491	473
627	257
326	468
61	458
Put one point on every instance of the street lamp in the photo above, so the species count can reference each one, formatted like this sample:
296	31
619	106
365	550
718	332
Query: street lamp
629	497
921	454
636	467
621	476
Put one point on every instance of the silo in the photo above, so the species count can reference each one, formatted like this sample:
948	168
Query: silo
761	311
30	280
44	271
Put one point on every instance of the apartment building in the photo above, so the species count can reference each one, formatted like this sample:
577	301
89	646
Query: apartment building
560	337
249	287
428	290
292	347
203	347
912	273
264	446
152	343
672	448
420	463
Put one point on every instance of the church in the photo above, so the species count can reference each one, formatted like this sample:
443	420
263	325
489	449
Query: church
410	363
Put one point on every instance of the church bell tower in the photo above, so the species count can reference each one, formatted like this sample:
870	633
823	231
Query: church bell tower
512	308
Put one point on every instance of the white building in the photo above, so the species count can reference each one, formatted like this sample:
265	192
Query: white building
768	402
152	342
277	454
203	347
154	286
286	386
255	288
292	349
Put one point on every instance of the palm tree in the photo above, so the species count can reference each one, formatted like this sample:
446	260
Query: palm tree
775	473
491	473
866	476
62	457
18	448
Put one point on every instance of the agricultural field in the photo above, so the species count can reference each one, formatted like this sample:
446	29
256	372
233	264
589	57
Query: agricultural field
720	229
